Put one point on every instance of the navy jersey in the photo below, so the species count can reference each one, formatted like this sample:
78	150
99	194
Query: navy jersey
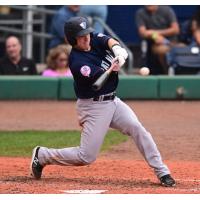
87	66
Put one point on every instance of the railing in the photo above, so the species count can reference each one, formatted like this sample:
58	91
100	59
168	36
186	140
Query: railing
28	33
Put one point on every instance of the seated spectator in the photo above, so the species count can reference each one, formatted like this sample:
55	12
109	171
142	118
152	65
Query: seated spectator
13	63
100	11
158	25
185	35
186	60
57	62
196	26
58	21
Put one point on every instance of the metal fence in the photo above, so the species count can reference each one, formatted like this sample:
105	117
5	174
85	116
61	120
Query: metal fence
37	15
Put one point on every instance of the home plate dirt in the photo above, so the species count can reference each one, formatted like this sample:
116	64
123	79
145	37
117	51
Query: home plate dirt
83	191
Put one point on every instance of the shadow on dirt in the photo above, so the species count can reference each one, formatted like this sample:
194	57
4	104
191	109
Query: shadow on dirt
122	183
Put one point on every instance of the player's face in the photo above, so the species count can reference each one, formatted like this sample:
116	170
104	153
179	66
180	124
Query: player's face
83	42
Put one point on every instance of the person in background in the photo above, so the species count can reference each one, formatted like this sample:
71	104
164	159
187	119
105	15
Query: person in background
196	26
57	62
158	25
100	11
14	63
58	21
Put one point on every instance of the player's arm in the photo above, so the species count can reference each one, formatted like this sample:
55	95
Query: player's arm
120	53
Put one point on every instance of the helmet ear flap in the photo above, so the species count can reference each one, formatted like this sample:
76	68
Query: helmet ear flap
73	41
69	38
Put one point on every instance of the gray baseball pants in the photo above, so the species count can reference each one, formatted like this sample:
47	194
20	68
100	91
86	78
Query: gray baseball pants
96	118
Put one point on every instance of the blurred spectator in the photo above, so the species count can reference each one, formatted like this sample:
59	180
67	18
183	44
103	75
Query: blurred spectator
4	10
58	21
100	11
57	62
13	63
186	60
196	26
9	13
185	35
6	13
158	25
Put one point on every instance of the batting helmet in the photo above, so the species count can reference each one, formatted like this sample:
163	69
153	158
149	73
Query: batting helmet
76	26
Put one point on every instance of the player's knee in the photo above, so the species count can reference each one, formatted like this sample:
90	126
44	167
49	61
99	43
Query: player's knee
87	159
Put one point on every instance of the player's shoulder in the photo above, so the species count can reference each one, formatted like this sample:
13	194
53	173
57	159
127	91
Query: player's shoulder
76	59
98	36
99	40
72	57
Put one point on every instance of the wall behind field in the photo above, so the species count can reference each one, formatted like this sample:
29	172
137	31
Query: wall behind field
130	87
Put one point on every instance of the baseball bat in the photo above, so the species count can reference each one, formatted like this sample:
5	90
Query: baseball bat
103	78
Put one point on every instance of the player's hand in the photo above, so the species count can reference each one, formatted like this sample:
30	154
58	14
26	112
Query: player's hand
119	51
118	61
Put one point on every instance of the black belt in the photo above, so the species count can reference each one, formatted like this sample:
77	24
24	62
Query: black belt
104	97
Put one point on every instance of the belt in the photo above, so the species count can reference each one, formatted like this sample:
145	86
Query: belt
105	97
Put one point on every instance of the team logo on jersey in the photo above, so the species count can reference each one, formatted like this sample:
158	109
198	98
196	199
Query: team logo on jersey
85	70
100	35
83	25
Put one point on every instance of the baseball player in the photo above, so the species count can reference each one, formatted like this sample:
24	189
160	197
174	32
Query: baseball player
92	54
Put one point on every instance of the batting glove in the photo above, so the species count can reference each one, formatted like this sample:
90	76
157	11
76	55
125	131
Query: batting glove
119	51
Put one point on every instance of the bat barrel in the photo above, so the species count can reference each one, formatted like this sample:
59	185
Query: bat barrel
100	81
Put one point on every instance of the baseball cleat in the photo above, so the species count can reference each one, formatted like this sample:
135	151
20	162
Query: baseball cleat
167	181
36	168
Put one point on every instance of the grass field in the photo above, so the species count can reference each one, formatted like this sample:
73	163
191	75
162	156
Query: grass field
21	143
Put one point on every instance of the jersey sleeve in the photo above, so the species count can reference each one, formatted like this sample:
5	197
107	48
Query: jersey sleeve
102	40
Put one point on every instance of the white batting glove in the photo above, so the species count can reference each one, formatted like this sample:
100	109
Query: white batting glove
119	51
119	62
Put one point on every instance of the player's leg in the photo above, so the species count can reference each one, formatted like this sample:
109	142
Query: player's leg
95	118
126	121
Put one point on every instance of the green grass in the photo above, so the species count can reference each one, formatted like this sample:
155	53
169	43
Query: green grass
21	143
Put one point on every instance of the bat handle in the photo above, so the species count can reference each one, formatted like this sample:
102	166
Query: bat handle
112	66
103	78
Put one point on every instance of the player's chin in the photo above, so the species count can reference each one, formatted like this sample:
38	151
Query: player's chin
86	48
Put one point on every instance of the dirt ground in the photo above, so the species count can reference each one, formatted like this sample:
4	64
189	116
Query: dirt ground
174	126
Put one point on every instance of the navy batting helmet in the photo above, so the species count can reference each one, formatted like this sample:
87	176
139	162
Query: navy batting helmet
76	26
